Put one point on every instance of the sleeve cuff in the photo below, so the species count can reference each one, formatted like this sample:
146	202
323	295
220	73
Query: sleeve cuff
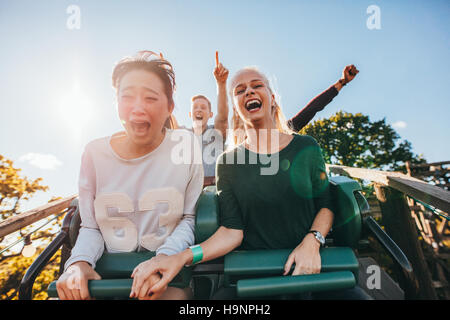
166	251
74	259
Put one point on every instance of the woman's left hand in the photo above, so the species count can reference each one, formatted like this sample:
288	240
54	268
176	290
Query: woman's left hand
144	277
306	257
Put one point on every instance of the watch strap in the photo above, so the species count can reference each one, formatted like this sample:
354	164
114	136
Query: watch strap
318	235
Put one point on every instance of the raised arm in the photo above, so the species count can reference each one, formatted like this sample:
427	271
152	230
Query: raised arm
221	119
317	104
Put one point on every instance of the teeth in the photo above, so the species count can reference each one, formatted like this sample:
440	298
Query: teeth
252	101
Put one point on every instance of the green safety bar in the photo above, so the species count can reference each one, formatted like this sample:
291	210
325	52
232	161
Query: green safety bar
115	270
104	289
283	285
339	271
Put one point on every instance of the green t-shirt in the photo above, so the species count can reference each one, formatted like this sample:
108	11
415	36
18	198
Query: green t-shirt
274	202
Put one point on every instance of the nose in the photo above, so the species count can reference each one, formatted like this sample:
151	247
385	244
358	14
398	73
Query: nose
138	106
249	91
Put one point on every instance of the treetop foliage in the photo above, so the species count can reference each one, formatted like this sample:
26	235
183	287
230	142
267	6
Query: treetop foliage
355	141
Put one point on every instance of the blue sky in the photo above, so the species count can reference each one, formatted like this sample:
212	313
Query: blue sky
55	84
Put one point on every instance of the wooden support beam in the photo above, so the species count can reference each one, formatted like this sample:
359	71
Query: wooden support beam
24	219
424	165
401	228
432	195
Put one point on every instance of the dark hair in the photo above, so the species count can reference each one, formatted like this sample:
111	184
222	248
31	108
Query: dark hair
151	62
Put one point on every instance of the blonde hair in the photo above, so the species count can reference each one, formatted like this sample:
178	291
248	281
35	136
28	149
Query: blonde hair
237	124
200	96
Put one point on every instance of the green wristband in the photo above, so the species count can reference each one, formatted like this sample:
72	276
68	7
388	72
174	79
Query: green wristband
197	253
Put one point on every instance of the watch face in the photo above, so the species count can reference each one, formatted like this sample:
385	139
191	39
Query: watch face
320	237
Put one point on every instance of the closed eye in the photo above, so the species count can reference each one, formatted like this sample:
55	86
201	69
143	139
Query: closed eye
239	90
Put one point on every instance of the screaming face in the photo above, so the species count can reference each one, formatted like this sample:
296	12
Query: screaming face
143	106
200	111
252	96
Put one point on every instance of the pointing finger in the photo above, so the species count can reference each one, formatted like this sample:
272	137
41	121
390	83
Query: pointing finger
217	58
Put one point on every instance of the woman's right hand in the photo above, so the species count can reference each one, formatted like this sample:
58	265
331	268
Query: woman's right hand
73	283
220	72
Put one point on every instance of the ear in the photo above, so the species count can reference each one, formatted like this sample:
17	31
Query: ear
190	115
211	114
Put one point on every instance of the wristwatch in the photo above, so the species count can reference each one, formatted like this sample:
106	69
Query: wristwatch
319	237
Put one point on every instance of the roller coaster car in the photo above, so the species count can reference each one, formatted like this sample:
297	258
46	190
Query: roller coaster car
254	274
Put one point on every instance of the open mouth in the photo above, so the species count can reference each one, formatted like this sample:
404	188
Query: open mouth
199	117
140	127
253	105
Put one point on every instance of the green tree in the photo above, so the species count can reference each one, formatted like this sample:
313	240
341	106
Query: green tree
355	141
14	189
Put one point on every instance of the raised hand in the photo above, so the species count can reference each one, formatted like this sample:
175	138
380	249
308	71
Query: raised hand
220	72
349	73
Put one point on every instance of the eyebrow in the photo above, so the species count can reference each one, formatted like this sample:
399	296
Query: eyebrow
254	80
145	88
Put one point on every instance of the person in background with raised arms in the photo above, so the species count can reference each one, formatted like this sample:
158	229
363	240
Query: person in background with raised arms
287	208
317	104
212	136
132	195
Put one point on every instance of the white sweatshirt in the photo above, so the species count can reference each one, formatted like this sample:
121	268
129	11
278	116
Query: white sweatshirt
144	203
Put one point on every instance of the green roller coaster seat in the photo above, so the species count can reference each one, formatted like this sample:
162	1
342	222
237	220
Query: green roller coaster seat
254	273
346	230
257	273
206	214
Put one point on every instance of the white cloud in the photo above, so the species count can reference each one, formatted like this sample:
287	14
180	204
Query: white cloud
399	125
42	161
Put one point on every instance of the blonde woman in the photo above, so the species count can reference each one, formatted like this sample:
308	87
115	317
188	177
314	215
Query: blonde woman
289	207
